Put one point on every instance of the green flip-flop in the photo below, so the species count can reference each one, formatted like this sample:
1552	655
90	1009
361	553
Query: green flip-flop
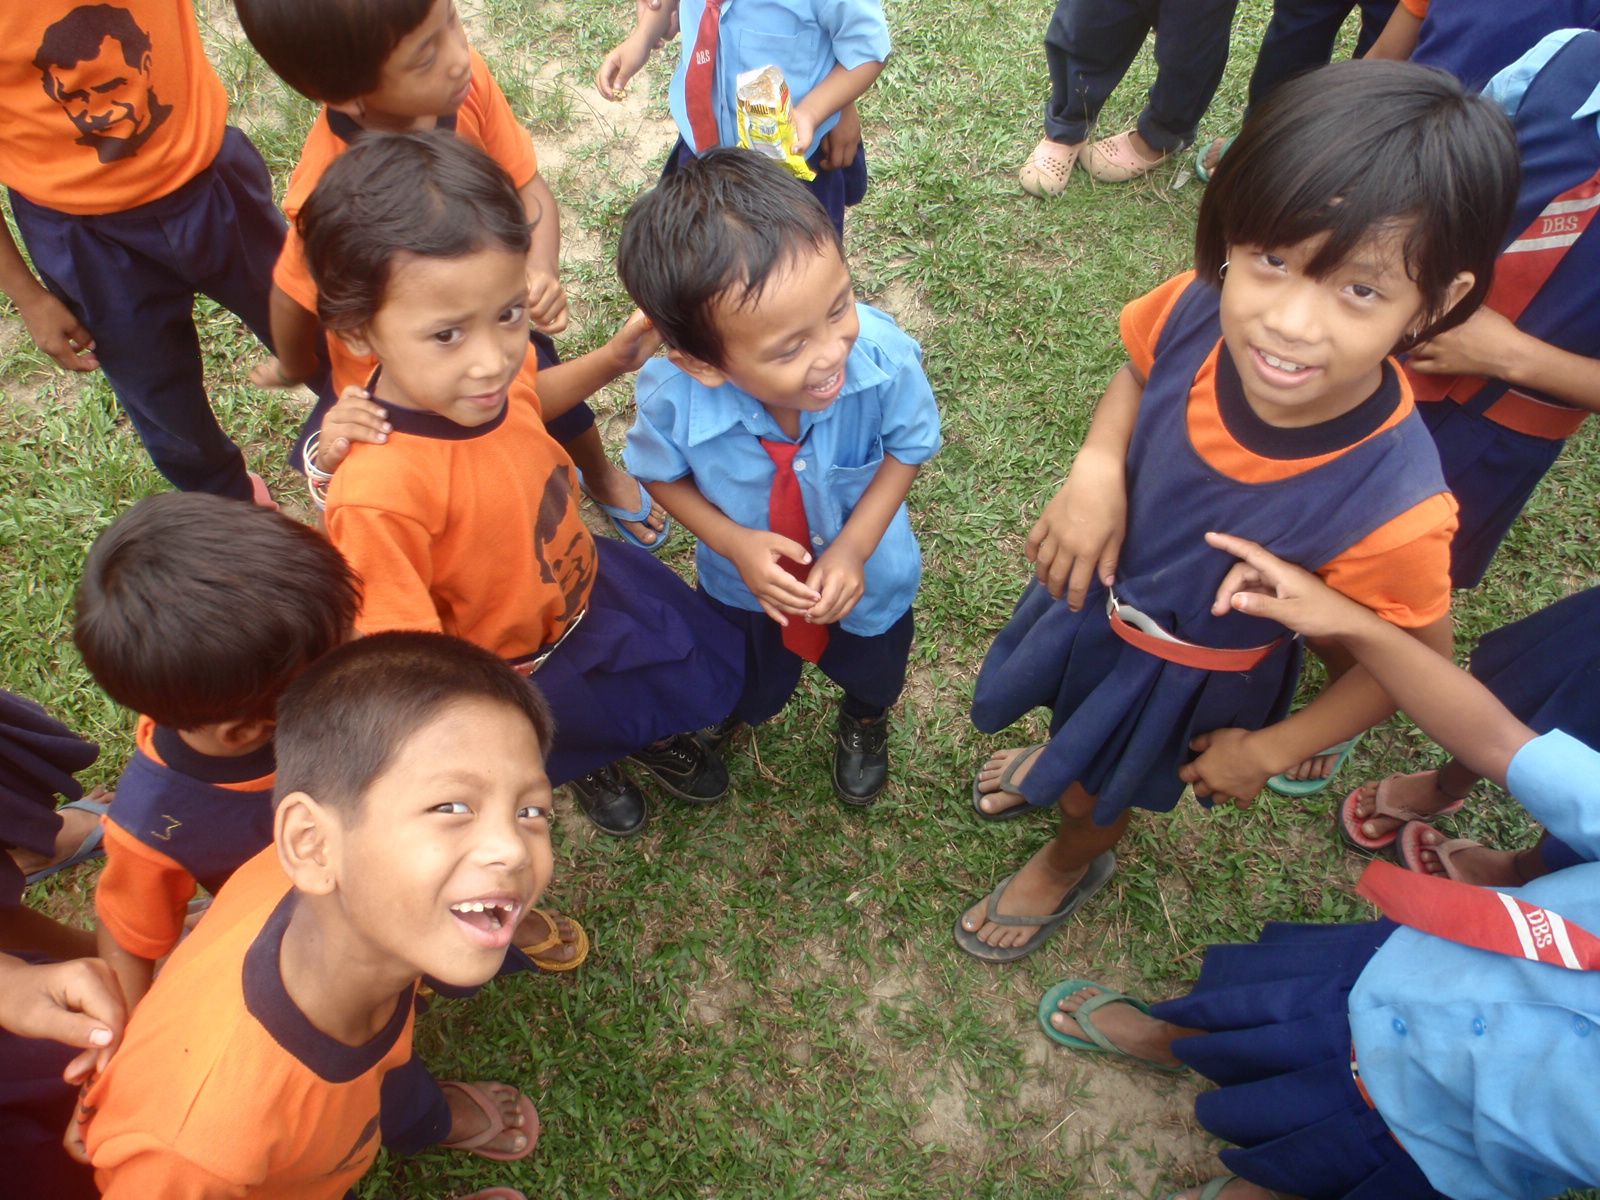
1285	786
1097	1043
1212	1189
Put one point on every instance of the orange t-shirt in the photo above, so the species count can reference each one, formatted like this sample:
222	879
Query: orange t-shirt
1401	570
222	1087
142	896
474	532
107	106
484	119
1417	8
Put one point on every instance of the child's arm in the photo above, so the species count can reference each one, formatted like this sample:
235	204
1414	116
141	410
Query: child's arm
132	972
1488	344
295	331
1452	707
1079	535
75	1003
651	27
841	86
839	576
50	323
547	300
754	552
565	386
1399	36
25	929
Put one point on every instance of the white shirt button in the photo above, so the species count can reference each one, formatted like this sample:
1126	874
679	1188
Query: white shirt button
799	464
816	539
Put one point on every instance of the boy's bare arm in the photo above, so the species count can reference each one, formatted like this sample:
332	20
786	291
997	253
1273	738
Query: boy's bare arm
25	929
1452	707
132	972
841	86
651	27
50	323
547	300
1399	36
295	332
1488	344
839	574
75	1003
568	384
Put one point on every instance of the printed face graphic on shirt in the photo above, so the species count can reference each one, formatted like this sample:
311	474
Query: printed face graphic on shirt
563	547
95	63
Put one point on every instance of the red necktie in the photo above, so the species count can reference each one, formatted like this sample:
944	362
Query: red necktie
786	515
1479	917
699	83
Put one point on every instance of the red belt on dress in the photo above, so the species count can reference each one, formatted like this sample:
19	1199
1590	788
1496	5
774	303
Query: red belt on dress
1137	629
529	663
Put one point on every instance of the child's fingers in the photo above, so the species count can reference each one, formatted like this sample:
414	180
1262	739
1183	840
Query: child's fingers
1082	574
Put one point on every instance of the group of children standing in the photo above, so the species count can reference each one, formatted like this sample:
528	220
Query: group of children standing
372	815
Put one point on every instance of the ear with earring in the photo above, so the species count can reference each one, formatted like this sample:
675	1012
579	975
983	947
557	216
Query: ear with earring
1222	271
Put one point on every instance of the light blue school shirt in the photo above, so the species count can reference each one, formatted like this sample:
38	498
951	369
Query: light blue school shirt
805	39
1485	1066
684	428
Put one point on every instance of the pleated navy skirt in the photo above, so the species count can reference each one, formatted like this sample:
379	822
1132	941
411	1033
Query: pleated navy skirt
1277	1042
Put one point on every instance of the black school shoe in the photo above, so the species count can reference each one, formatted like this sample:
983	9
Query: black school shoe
686	768
611	801
715	737
861	759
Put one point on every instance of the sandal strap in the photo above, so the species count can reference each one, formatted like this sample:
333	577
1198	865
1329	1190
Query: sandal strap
478	1094
1093	1004
1382	807
1019	760
1448	849
999	918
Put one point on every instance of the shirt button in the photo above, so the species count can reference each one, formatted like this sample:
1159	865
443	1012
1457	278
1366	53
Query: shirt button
1400	1027
816	539
1478	1026
799	464
1581	1026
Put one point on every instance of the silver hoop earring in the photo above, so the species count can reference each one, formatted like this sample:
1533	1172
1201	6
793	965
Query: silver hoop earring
1222	271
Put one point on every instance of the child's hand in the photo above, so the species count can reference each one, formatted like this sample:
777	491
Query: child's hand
269	374
1228	769
355	418
77	1003
622	64
839	579
634	343
1484	344
547	302
841	143
805	128
57	332
1263	585
780	594
1078	537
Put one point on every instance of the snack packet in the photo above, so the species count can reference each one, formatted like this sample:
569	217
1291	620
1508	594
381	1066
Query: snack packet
764	124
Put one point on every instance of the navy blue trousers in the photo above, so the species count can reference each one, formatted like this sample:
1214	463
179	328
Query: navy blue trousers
836	190
1090	44
871	670
131	277
1301	36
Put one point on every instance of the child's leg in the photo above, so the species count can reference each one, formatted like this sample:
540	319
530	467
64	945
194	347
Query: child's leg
254	231
771	669
1045	879
140	313
1088	47
872	672
1299	37
1191	52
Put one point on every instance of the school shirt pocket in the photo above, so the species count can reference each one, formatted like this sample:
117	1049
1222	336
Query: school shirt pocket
795	54
846	486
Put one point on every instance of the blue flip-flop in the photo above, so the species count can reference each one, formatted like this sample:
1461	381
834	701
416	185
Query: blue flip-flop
1097	1043
1285	786
90	847
618	515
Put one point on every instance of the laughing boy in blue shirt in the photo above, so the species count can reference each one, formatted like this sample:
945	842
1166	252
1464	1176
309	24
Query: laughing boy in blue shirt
781	392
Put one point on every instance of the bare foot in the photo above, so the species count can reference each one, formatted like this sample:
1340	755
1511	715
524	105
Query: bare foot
1144	149
1123	1025
1037	888
1474	864
616	487
1419	794
535	928
468	1120
1214	153
76	824
994	801
1320	767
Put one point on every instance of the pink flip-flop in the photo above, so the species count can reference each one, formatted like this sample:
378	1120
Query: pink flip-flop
478	1093
1382	806
1410	848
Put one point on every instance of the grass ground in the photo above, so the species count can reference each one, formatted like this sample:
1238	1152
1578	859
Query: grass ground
774	1006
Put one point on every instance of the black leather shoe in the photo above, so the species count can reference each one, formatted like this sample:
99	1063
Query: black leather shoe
861	759
611	801
686	768
715	737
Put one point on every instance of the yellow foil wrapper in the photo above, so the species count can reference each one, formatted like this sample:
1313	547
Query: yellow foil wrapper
764	122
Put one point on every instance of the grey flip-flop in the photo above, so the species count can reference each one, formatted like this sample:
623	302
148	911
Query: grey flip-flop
1098	875
1018	760
91	846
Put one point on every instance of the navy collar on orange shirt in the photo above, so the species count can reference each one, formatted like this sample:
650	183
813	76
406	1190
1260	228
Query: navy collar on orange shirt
186	760
1307	441
431	425
346	129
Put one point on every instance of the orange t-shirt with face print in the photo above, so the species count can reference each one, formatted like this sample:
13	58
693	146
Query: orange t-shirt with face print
469	531
107	106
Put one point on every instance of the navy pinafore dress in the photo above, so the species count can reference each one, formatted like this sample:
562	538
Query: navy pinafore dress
1123	718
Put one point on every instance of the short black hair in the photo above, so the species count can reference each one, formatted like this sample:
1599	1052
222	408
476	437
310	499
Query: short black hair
1350	149
347	716
427	194
719	225
195	609
331	51
79	35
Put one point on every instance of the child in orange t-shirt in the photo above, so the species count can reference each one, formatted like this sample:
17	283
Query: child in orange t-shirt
466	520
133	195
1360	211
412	831
405	65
